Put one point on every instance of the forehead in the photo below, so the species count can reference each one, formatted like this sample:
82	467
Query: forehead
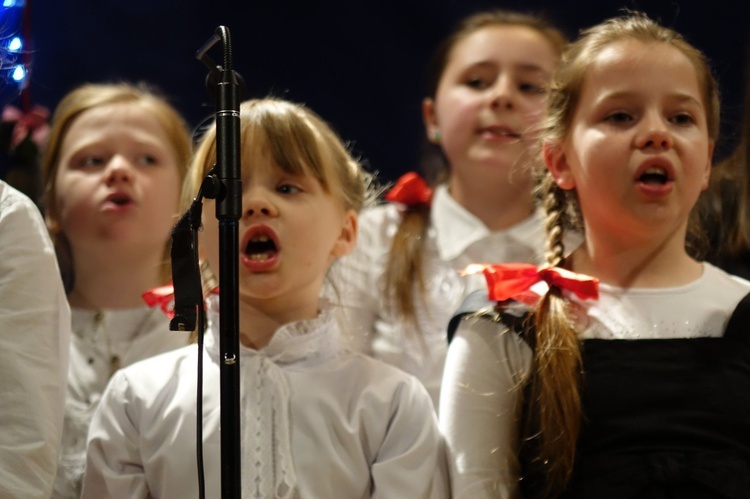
643	68
506	44
116	121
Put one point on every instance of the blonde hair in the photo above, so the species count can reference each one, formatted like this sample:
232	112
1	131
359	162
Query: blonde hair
90	96
405	266
554	402
299	141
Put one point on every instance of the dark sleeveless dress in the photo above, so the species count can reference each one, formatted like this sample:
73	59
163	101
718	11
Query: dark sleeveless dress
662	419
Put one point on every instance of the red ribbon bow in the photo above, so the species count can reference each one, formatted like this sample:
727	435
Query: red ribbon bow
163	297
514	280
29	124
410	190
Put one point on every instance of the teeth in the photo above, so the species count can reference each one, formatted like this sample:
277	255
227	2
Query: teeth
654	170
260	239
258	256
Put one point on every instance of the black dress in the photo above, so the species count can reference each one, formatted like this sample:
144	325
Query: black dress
662	418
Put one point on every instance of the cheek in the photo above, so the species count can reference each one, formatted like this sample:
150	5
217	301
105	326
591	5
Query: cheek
455	111
74	201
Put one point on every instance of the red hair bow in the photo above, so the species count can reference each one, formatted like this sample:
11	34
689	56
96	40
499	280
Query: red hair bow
163	297
514	280
410	190
32	123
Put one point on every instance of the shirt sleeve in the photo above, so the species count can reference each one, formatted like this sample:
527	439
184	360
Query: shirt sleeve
34	350
113	464
411	461
479	406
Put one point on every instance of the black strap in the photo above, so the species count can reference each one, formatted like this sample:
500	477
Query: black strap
513	314
739	322
186	278
472	304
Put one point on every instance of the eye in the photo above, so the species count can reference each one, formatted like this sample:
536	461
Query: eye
288	189
532	88
146	159
619	117
682	119
477	83
91	161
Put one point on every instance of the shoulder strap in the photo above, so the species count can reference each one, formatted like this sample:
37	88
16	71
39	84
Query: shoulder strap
508	312
739	322
472	304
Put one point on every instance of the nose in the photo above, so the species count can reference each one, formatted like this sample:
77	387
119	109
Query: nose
257	202
119	169
654	134
502	95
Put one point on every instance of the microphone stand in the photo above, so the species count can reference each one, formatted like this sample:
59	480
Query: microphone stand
228	213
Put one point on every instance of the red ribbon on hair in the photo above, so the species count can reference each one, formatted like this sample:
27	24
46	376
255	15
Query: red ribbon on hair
32	123
163	297
410	190
514	280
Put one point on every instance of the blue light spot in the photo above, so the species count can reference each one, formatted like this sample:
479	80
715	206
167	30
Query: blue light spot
15	44
19	73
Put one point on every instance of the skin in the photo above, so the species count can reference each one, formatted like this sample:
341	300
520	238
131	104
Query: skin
117	199
641	107
310	229
488	103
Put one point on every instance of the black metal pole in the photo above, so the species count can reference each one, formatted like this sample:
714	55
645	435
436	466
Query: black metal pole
228	213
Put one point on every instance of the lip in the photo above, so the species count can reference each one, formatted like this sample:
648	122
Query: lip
655	190
118	202
264	265
499	133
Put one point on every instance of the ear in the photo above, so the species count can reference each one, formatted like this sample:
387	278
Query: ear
557	164
709	163
348	237
430	119
53	224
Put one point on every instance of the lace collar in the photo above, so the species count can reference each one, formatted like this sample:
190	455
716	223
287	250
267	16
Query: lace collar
293	342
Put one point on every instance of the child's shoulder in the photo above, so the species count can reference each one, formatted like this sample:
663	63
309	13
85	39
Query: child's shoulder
365	374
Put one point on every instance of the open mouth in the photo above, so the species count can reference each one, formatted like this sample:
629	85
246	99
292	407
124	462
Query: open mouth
260	247
655	176
118	199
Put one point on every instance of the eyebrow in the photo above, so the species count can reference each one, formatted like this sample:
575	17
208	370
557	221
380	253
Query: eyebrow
678	97
524	67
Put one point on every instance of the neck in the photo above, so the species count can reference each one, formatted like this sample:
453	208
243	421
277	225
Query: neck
260	319
648	263
498	205
114	282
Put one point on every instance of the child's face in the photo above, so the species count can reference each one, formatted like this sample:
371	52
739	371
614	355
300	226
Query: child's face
117	182
290	233
638	152
490	98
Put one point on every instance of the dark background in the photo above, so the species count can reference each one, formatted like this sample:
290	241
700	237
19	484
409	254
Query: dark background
359	64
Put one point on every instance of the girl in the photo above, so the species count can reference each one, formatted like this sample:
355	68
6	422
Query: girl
112	170
643	392
486	95
318	421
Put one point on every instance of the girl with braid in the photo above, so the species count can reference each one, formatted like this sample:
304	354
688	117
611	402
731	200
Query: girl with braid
487	84
623	369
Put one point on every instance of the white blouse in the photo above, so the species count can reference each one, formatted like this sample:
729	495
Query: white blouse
456	238
103	341
34	343
487	366
318	422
